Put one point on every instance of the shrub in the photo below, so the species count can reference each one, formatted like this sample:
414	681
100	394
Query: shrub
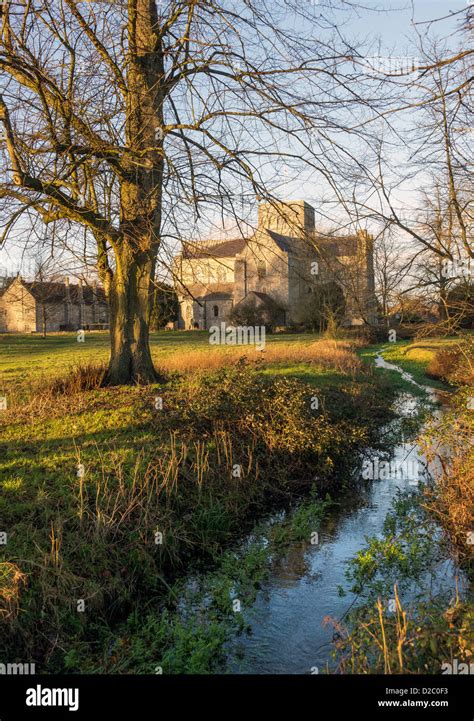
420	629
420	639
325	307
80	377
451	499
179	482
454	364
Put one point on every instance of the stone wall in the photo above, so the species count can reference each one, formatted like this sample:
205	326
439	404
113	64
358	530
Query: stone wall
293	218
205	312
51	315
202	275
266	267
282	269
18	309
20	312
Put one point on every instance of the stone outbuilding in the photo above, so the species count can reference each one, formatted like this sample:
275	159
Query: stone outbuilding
34	307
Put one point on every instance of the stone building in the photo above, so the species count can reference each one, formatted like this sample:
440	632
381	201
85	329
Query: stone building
29	307
275	270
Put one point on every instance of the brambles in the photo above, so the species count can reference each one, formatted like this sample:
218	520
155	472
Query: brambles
451	498
157	491
429	631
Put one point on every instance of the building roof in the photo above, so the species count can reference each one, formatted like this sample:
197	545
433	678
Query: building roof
6	283
223	249
204	292
264	299
335	245
230	248
215	295
338	246
283	241
49	292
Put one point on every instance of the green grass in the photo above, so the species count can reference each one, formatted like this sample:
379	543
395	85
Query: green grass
116	433
320	378
413	357
42	447
25	356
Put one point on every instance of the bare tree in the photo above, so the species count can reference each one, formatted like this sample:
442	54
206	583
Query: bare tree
417	172
45	277
131	120
390	268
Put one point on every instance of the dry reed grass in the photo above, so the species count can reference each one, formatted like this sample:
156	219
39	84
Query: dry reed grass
452	498
11	581
322	353
40	397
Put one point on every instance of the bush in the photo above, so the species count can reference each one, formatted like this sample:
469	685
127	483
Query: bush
451	499
249	313
181	482
455	364
324	307
82	377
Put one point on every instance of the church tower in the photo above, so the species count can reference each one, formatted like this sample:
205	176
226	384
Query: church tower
294	218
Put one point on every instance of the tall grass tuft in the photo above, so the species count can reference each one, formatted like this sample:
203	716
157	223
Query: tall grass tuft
327	353
12	579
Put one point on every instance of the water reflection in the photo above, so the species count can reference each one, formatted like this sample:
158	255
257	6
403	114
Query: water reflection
289	629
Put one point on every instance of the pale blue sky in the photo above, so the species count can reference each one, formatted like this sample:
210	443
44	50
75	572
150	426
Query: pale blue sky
391	22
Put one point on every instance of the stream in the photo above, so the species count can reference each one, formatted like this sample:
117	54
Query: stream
288	633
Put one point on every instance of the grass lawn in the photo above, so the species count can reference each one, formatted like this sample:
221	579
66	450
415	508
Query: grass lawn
413	357
45	437
25	356
322	378
89	536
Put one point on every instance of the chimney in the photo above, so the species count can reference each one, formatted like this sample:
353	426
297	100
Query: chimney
68	292
80	300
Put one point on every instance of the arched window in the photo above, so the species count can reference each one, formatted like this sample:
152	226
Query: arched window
261	269
215	310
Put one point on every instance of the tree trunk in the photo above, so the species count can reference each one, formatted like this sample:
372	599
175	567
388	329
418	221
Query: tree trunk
130	289
130	296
